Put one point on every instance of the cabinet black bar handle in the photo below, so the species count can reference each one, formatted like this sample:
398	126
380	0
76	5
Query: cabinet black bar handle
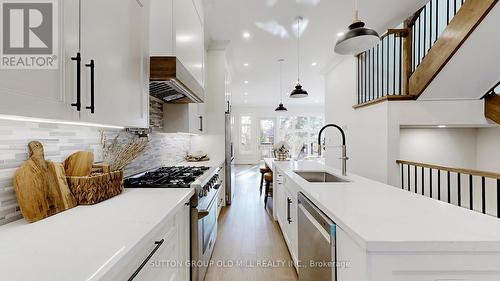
78	60
289	201
201	123
91	65
158	245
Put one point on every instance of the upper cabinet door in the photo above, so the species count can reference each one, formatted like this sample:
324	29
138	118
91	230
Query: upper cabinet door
37	74
189	38
115	37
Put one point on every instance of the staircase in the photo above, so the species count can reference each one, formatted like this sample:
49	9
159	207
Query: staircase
409	58
492	104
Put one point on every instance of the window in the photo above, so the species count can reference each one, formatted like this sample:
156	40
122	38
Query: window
299	131
245	134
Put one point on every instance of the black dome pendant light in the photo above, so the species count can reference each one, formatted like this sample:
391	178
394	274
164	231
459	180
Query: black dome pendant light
281	107
298	92
358	39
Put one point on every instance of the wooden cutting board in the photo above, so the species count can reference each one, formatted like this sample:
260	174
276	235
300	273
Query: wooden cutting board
79	164
41	186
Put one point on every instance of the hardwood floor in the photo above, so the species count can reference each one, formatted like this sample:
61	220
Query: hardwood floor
249	245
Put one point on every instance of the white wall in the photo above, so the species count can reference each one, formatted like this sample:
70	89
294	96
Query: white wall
488	149
366	128
445	147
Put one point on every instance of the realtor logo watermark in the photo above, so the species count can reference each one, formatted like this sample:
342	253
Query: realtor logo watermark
29	34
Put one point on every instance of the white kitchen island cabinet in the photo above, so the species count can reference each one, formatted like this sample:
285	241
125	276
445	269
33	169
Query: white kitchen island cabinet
114	36
388	234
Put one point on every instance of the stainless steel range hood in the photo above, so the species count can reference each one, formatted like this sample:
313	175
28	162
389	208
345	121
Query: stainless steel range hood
171	82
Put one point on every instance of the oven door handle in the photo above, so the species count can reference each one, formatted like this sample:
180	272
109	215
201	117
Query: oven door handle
206	212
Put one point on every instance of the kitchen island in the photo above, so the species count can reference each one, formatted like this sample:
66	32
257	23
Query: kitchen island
385	233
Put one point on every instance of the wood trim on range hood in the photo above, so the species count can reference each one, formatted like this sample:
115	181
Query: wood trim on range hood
171	82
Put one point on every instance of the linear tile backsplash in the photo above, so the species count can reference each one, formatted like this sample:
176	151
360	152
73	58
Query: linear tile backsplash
62	140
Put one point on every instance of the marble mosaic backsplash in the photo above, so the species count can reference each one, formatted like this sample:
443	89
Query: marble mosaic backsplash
62	140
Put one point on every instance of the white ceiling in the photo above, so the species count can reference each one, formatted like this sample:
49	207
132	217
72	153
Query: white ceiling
229	19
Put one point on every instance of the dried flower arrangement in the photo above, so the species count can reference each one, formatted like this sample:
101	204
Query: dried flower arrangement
120	152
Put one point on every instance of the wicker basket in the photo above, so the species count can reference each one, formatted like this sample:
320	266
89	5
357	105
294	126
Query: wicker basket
96	188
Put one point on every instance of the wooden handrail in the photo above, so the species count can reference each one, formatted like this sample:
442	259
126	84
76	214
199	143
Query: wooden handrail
402	32
413	19
453	170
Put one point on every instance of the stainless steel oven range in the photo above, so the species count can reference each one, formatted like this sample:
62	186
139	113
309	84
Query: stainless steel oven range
206	182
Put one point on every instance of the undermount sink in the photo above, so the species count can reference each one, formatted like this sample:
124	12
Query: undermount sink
320	177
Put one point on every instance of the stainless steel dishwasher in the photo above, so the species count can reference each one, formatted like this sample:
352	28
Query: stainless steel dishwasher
317	238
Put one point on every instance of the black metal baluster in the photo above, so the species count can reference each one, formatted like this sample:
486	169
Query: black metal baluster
378	71
449	188
425	31
483	193
359	79
448	12
414	47
459	190
388	63
400	73
437	21
423	181
430	181
364	93
373	73
369	75
419	37
454	7
416	179
498	198
394	65
409	178
430	25
402	176
382	70
439	184
471	192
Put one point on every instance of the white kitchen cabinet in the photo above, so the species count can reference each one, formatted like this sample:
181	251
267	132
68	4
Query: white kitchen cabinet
177	29
286	211
172	253
114	34
183	118
189	37
46	93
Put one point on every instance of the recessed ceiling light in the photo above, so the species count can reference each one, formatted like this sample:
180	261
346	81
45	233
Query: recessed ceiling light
246	35
340	34
442	126
245	64
246	94
314	63
246	82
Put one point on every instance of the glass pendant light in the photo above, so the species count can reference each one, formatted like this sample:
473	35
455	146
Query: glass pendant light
281	107
298	92
358	39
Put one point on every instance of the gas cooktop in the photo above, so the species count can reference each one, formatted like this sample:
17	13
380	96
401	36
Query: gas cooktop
166	177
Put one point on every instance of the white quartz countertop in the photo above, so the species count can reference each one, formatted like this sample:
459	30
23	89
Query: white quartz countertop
83	243
209	163
380	217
